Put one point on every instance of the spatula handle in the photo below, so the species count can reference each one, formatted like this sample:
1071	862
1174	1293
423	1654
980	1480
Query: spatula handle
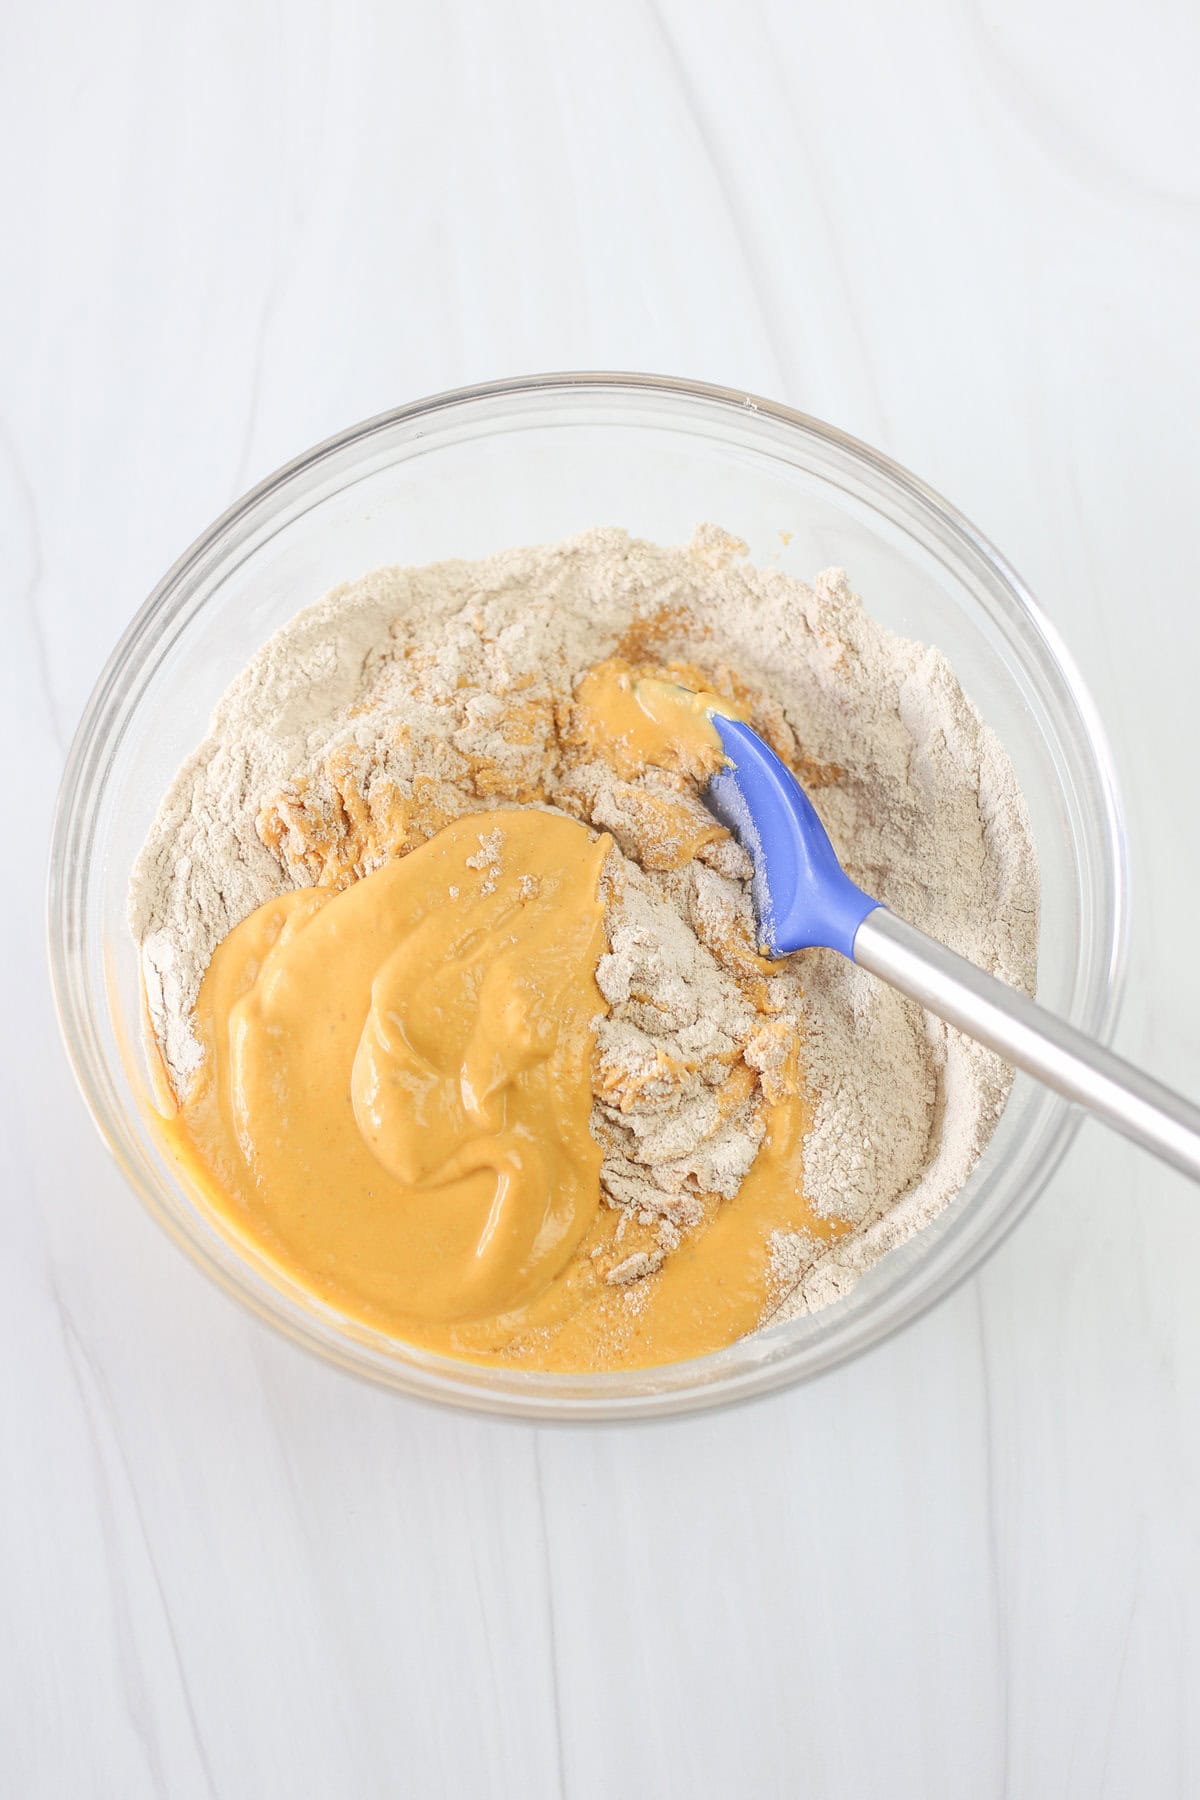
1031	1038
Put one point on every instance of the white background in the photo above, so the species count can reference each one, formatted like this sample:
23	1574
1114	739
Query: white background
967	1565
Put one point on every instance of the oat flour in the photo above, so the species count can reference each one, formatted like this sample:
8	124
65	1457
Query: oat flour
411	696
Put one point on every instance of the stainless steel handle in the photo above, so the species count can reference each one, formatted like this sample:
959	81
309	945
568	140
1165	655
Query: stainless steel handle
1030	1038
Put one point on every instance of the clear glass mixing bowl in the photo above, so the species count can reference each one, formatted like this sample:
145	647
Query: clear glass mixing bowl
525	461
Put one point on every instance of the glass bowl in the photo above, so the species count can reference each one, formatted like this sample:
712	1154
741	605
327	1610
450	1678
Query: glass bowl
526	461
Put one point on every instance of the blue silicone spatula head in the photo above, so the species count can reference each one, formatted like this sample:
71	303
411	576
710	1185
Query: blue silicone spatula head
802	895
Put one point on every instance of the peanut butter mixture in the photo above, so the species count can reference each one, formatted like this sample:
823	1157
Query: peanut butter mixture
400	1066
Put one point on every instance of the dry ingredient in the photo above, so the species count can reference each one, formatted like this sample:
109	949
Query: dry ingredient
411	696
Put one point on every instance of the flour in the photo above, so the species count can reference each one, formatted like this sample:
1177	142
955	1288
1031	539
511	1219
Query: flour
412	696
667	1137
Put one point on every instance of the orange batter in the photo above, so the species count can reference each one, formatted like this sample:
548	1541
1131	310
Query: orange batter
633	721
395	1096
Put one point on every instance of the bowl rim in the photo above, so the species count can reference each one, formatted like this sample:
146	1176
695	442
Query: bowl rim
450	1384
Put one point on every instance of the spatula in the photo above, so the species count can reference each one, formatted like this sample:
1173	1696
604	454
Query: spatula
804	898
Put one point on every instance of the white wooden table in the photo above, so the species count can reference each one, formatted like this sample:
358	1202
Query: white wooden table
968	1565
